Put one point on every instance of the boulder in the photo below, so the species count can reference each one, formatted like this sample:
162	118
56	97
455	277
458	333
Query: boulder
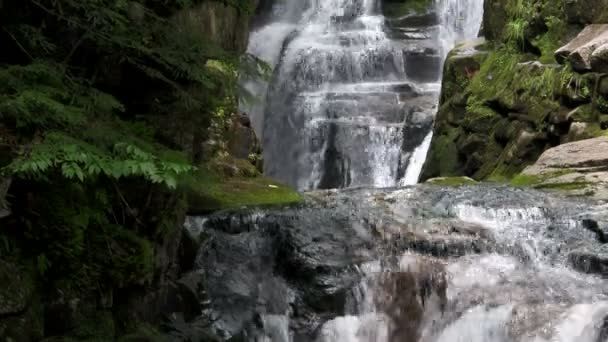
599	59
597	227
579	50
584	155
578	168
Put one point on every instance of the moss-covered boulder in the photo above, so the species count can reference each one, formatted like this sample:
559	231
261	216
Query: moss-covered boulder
518	102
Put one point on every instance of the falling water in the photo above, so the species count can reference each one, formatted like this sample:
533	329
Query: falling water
527	293
353	93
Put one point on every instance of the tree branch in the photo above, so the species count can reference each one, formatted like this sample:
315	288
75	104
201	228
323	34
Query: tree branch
18	44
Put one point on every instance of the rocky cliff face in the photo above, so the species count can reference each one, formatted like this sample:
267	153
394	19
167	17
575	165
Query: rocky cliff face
538	81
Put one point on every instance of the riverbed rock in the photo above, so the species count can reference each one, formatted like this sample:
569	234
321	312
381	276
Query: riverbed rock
590	260
598	227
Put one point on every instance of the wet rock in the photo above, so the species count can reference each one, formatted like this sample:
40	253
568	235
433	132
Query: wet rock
415	20
599	228
297	269
590	260
405	295
423	66
603	335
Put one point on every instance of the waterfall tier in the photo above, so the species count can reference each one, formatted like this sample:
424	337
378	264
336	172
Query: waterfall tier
353	93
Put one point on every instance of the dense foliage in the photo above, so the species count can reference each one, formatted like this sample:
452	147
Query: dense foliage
86	90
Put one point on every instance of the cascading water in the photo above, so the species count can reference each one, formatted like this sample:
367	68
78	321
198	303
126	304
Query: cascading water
350	104
523	292
353	94
480	263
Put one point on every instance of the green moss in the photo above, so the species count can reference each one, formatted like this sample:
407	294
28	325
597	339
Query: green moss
551	40
565	186
495	166
451	181
443	156
480	118
208	190
544	181
526	180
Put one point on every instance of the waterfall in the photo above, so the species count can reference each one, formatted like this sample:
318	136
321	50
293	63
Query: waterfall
353	94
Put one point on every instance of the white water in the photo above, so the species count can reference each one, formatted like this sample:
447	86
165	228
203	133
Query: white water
341	109
460	20
416	162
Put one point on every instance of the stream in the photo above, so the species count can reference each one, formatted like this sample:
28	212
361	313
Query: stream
426	263
350	106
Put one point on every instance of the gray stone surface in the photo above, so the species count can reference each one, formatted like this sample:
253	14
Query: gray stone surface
579	51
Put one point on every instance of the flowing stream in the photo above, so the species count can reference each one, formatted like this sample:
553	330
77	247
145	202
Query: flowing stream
353	94
350	105
480	263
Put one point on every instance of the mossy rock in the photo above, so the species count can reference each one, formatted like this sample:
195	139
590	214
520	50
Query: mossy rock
209	190
443	159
